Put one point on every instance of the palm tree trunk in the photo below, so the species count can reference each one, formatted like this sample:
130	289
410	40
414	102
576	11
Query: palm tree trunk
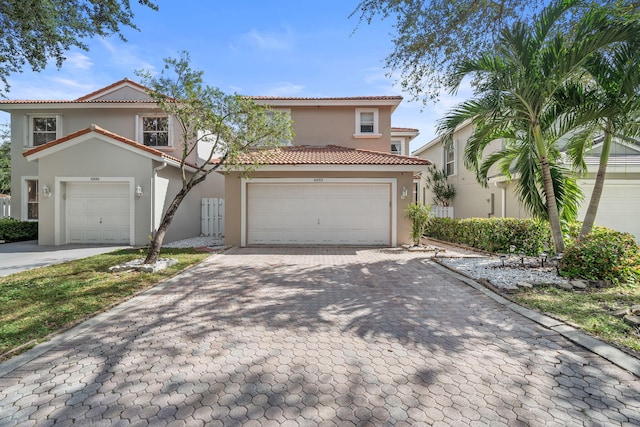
550	194
598	186
552	206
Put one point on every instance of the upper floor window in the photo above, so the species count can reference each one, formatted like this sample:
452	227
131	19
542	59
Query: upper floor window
286	112
155	131
43	129
396	146
450	160
367	123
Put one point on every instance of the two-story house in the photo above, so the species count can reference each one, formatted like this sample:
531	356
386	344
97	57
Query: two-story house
102	168
619	205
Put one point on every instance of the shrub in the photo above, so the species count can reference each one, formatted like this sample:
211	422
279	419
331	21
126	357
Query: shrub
529	236
418	214
12	230
603	254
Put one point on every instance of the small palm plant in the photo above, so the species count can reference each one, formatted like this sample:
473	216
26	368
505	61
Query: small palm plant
419	215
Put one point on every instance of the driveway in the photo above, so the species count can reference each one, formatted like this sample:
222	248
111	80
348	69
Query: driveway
315	337
21	256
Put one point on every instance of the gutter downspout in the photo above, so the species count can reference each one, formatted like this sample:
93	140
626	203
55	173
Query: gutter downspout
153	195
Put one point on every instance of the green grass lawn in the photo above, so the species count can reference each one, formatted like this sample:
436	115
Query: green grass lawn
36	303
591	310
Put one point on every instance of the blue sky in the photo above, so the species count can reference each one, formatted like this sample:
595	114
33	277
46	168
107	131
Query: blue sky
277	48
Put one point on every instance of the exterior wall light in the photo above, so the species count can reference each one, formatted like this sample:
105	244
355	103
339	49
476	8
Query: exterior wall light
139	192
46	192
404	193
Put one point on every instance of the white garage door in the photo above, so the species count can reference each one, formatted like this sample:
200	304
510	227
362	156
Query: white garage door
619	206
97	212
319	213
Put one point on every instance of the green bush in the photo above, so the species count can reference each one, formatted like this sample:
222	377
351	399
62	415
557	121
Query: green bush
12	230
603	254
529	236
418	214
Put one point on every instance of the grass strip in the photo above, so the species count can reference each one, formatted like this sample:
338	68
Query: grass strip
36	303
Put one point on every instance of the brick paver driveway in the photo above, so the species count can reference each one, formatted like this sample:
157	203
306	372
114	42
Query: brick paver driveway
317	337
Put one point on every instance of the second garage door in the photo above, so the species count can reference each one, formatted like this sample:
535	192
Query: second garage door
97	212
619	205
319	213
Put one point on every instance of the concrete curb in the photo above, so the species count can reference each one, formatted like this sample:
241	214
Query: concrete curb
612	354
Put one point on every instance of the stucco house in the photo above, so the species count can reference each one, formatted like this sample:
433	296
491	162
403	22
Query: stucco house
102	168
619	205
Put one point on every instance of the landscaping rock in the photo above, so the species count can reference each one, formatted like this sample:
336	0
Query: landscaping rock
621	312
566	286
579	283
632	320
138	265
635	309
525	285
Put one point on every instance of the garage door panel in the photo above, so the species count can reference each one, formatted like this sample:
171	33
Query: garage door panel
314	213
618	208
98	213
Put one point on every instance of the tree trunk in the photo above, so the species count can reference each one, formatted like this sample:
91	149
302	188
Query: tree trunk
598	186
167	218
552	206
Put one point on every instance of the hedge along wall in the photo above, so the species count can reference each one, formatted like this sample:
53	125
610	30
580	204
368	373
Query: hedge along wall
12	230
529	236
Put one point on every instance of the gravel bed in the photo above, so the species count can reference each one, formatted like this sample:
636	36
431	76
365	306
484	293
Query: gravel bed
197	242
507	276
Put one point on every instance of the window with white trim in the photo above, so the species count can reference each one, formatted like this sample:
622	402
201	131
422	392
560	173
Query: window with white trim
396	146
367	122
450	160
44	128
155	131
31	199
271	114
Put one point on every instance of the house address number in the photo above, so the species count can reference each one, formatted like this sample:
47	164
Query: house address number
318	180
95	178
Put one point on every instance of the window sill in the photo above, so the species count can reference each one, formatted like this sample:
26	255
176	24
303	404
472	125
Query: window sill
164	148
367	135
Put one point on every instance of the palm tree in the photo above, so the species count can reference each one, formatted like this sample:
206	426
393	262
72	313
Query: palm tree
517	86
613	103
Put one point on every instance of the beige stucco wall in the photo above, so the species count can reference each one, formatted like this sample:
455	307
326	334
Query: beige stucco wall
87	160
120	121
233	198
472	199
336	126
187	220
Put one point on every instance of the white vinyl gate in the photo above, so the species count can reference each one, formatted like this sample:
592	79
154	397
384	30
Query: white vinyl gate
212	217
5	207
441	211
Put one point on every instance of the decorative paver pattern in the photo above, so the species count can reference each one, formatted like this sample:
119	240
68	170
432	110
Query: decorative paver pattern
326	336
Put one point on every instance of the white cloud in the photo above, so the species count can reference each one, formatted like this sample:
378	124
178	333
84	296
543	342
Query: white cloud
283	89
77	61
268	40
126	56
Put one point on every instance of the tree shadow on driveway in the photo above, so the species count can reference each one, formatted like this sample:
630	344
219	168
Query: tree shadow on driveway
311	335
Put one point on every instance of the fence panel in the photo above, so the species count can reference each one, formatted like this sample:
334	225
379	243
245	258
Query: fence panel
5	207
212	217
442	211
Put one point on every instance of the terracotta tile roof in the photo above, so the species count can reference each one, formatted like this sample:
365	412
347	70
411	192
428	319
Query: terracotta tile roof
328	155
395	129
111	86
64	101
339	98
98	129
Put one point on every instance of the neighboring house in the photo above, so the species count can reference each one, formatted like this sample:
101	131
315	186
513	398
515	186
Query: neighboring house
618	207
103	168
